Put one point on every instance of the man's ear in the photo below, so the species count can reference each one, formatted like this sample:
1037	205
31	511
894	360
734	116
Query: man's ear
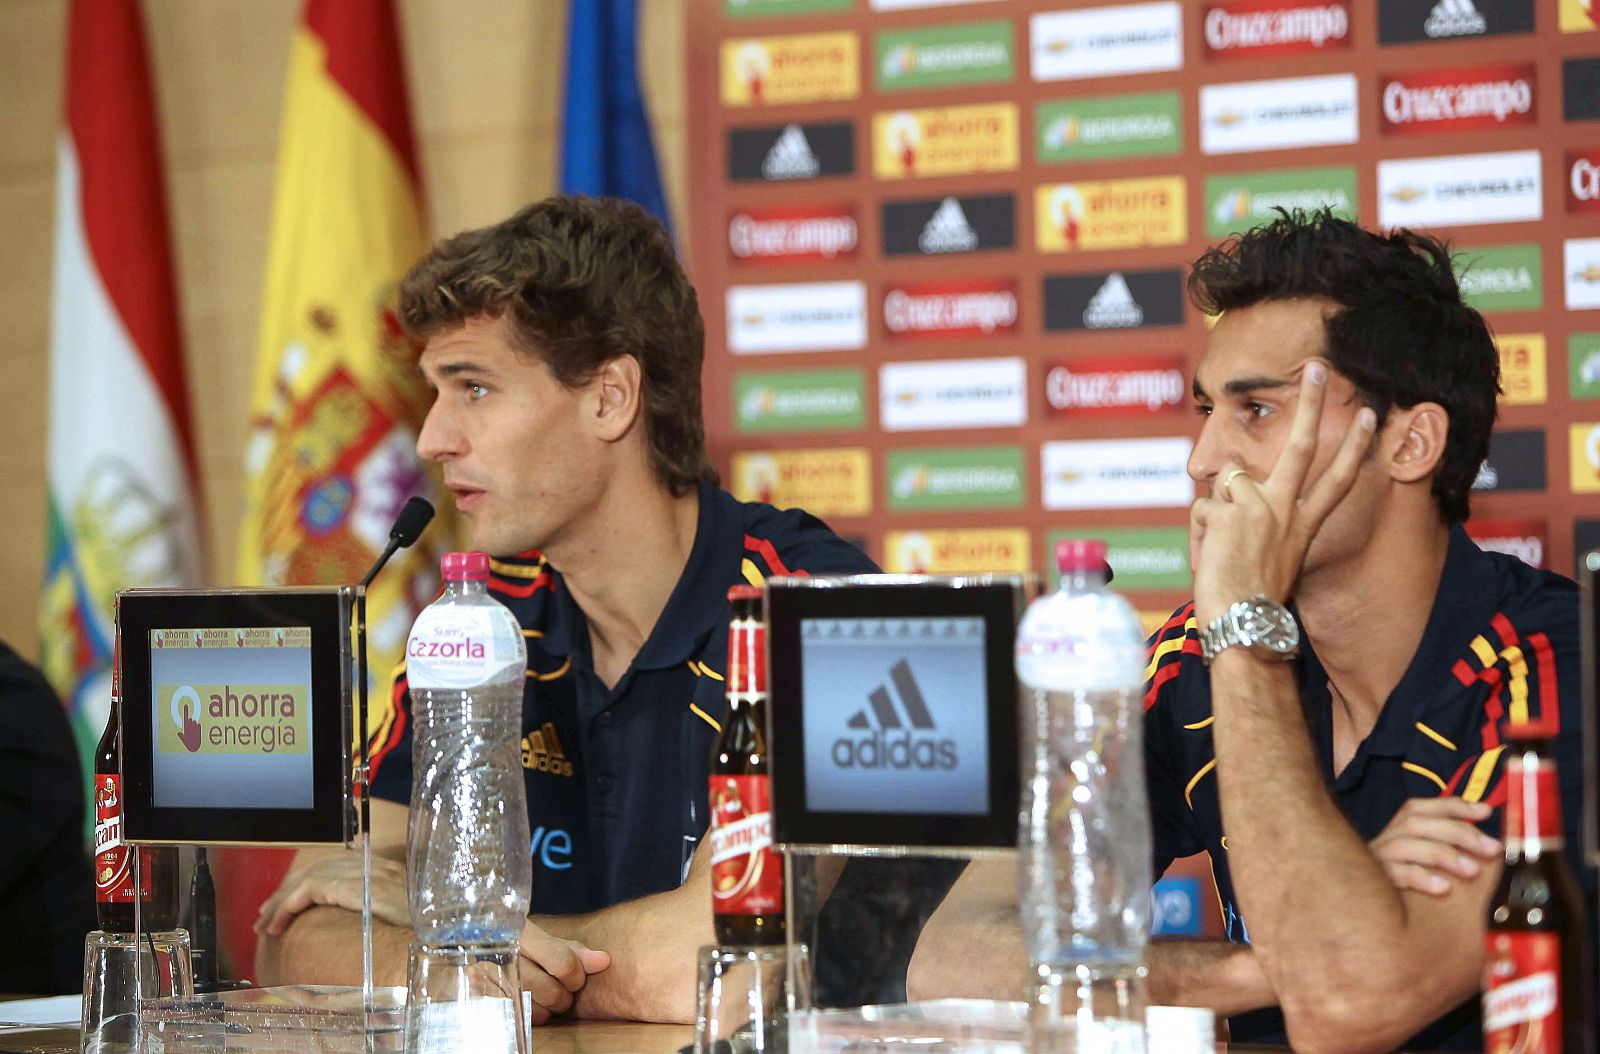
1418	441
618	397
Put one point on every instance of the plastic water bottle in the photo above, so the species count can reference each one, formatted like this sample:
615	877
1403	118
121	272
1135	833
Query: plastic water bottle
468	865
1084	828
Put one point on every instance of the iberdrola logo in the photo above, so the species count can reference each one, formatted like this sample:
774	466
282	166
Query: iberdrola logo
759	403
911	481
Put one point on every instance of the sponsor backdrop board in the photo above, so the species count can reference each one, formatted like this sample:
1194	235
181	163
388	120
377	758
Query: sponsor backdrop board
941	247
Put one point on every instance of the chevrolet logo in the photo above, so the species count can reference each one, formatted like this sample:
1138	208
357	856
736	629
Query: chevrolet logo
1588	274
1407	194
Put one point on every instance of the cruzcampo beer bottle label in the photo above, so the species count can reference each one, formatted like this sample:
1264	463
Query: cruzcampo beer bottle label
746	874
1522	993
113	858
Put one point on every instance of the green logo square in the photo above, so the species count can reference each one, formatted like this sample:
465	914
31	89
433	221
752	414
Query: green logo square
986	477
1583	365
970	53
799	400
1236	203
1144	125
1501	277
1140	557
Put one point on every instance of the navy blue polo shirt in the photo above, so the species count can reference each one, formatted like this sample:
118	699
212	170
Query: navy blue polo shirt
616	778
1501	645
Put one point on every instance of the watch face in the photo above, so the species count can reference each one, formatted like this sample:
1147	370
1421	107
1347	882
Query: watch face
1268	625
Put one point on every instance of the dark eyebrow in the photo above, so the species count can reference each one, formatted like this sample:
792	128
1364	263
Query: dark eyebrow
1246	385
456	369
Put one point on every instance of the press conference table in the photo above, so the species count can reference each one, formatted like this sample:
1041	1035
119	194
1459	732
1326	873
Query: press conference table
565	1037
559	1037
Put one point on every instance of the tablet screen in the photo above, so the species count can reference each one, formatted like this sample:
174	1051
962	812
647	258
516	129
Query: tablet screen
232	706
900	718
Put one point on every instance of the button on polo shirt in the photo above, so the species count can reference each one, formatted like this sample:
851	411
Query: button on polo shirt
1501	644
616	777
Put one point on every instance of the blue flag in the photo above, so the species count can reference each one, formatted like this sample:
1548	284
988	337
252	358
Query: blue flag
605	142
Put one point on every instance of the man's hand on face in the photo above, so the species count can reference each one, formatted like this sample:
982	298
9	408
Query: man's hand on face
1433	843
1250	536
335	881
553	970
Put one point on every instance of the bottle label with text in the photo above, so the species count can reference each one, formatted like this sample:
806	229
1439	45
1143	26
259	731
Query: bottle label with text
746	873
113	860
1522	994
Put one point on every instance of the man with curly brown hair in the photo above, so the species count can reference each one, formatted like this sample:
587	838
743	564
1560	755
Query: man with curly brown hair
564	347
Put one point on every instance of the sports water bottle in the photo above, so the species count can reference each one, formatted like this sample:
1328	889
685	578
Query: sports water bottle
1084	828
468	865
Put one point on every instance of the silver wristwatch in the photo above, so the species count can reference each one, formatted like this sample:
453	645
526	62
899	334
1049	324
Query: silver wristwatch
1261	625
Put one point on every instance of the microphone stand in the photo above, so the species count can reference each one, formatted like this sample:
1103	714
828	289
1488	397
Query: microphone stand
406	531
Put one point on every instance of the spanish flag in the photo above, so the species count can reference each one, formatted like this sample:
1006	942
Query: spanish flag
121	467
336	402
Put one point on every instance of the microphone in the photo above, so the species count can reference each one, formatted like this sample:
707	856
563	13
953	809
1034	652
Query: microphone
408	527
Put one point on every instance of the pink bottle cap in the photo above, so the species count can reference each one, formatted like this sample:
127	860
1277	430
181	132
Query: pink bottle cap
1080	554
465	567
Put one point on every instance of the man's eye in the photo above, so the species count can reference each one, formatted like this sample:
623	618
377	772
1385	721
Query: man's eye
1257	410
1203	409
476	391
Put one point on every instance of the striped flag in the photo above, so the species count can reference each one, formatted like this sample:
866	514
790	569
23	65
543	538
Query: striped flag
123	500
336	402
606	147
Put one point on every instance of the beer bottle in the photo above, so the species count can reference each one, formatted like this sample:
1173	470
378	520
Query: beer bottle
113	859
746	872
1535	999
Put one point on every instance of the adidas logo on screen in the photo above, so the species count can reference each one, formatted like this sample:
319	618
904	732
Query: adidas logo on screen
1454	18
888	742
948	231
791	157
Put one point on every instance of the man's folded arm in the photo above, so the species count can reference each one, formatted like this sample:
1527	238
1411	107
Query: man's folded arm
972	948
653	942
323	946
321	943
1357	965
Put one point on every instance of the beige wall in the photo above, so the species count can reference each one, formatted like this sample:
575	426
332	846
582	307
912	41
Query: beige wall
486	88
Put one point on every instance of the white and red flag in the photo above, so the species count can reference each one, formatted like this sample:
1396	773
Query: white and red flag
123	500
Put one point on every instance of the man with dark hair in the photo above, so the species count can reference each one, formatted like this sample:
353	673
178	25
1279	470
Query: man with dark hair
1346	395
46	881
564	348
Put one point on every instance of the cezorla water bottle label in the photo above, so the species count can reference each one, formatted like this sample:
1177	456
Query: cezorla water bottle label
1522	994
1085	657
455	647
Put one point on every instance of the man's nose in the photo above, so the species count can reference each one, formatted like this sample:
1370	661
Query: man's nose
437	440
1206	457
